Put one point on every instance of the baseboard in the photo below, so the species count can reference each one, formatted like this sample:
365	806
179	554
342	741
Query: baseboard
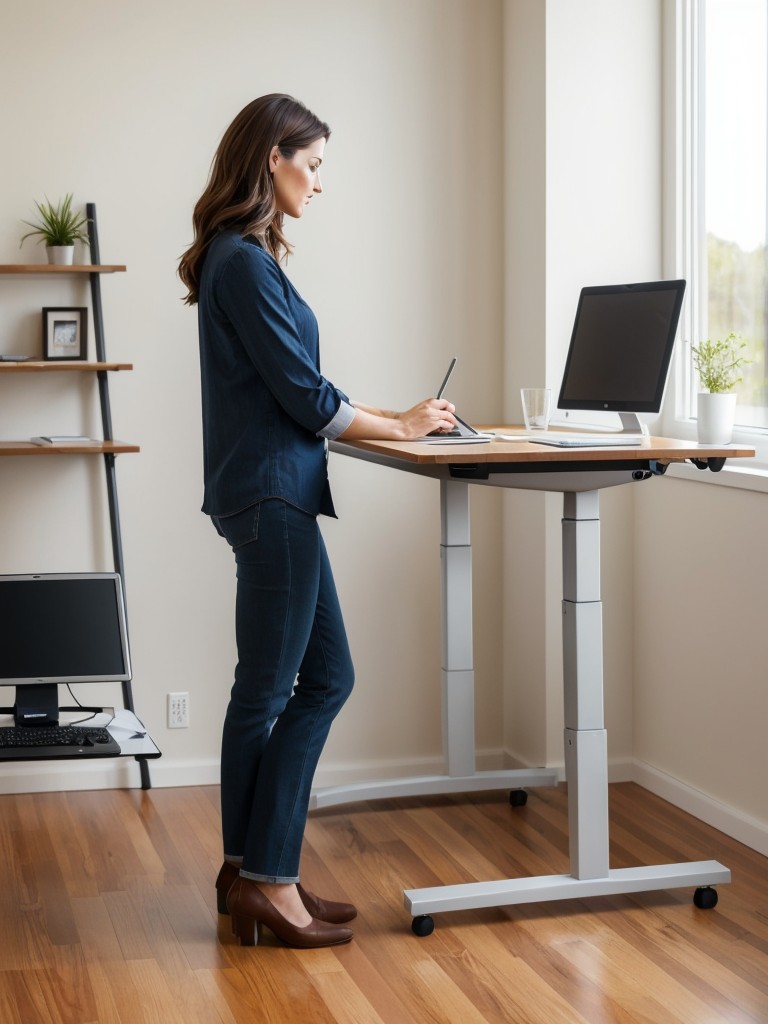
165	772
733	823
102	773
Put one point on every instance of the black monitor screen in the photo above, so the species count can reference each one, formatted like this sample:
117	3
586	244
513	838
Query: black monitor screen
621	347
62	628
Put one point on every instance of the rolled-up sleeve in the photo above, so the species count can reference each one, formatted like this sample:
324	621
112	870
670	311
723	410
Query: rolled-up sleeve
339	423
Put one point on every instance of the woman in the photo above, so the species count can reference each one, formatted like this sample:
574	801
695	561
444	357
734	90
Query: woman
267	416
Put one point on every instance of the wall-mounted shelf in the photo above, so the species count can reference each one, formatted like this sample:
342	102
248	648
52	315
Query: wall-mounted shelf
70	448
47	366
54	268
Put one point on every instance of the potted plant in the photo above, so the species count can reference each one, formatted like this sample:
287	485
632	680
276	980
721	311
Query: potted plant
718	363
59	227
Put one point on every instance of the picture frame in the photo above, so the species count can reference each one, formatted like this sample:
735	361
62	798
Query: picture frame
65	333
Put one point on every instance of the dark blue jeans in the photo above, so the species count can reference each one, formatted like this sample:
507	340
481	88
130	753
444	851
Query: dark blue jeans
294	672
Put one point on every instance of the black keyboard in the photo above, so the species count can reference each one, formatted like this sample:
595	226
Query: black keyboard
46	742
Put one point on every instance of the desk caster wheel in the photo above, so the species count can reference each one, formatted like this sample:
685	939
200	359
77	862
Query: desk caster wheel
422	925
518	798
705	898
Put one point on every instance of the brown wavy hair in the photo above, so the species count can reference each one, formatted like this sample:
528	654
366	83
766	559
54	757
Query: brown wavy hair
240	193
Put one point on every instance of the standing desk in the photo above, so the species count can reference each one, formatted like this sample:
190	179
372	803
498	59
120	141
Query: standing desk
579	474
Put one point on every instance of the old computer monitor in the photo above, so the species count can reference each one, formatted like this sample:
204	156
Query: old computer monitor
620	349
60	628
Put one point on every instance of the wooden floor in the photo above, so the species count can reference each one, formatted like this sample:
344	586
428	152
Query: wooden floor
107	914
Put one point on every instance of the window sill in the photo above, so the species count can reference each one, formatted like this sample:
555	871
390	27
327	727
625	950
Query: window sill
745	474
737	474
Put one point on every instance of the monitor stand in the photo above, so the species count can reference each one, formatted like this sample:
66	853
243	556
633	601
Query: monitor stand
37	705
630	424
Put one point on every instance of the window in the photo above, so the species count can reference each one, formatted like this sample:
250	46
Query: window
720	138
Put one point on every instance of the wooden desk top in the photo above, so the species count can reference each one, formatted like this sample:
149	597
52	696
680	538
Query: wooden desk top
661	449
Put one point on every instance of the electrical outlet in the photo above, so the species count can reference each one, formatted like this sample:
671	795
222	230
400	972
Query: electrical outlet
178	710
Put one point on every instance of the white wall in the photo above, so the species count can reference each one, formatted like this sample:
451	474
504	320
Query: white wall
700	700
401	259
583	180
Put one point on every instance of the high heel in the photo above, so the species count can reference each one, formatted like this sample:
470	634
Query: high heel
250	909
322	910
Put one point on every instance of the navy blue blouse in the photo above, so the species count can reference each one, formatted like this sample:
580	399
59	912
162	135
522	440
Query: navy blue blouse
266	406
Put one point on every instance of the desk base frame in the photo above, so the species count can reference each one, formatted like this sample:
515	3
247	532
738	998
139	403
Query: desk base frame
586	748
432	785
539	889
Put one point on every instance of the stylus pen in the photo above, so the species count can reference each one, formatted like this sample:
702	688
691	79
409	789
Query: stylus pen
445	379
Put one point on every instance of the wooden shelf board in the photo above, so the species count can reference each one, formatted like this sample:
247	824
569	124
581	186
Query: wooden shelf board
92	448
46	366
53	268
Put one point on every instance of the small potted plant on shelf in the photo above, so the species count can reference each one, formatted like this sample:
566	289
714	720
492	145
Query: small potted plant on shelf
59	227
718	363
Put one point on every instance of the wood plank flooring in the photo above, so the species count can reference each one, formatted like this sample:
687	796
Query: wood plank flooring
108	916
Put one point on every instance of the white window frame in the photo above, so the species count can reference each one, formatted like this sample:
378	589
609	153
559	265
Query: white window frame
684	255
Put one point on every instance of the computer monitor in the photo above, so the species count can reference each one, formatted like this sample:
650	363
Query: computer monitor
60	628
620	349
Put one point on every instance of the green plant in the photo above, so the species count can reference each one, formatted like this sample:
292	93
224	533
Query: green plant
718	362
58	225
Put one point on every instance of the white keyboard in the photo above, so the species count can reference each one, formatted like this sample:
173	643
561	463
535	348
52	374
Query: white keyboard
589	440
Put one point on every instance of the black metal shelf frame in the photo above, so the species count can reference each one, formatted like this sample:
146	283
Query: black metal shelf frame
109	457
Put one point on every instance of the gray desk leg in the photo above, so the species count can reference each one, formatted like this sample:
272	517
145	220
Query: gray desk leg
457	668
586	742
458	681
586	758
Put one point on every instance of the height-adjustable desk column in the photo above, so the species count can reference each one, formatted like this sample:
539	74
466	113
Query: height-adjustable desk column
457	672
586	741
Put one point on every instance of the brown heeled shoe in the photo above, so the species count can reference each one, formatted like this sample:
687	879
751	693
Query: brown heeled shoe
321	910
250	910
326	910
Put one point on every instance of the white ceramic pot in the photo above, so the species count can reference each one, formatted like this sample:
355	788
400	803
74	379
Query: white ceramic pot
60	255
716	415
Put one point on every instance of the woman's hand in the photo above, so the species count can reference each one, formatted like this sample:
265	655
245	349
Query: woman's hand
430	416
